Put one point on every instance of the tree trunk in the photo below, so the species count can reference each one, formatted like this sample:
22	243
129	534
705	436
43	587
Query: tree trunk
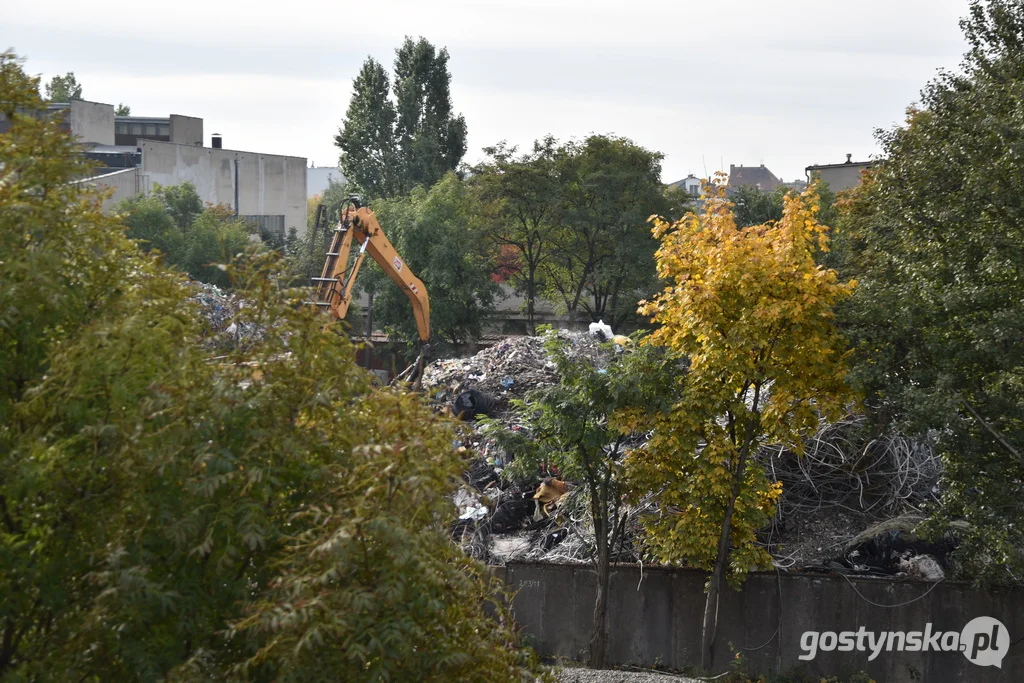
718	572
530	294
597	638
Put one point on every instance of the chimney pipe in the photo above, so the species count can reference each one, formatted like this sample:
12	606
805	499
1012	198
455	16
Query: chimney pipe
848	158
215	141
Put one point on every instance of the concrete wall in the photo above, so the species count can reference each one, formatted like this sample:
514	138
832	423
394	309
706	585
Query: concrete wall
268	184
123	184
841	177
655	619
92	121
186	130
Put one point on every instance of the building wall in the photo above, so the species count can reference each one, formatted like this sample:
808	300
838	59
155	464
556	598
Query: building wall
655	615
268	184
186	130
317	179
123	184
92	121
841	177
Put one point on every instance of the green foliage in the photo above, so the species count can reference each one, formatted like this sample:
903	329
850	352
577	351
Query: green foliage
441	235
64	88
195	239
752	312
603	260
268	516
574	218
122	110
182	202
754	206
523	194
936	239
390	146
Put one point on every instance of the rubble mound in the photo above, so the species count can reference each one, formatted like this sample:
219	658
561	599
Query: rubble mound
508	370
500	519
219	310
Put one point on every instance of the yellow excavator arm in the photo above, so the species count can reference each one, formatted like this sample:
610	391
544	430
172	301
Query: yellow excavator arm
334	287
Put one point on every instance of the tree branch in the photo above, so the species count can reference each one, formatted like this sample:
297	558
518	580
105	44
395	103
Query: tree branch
992	430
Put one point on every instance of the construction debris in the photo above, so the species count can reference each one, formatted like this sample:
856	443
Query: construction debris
219	312
507	370
539	518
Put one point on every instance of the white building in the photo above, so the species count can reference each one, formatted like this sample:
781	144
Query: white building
268	190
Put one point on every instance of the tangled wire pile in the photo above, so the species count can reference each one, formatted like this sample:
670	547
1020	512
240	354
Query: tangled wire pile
843	484
838	469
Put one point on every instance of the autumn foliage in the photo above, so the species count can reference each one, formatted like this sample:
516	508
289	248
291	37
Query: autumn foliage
751	310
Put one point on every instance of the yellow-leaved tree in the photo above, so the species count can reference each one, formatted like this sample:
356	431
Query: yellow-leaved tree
752	312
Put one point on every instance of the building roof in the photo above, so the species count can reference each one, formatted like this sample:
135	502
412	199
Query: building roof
753	176
848	162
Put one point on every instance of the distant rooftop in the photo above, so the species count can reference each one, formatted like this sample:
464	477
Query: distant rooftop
848	162
753	176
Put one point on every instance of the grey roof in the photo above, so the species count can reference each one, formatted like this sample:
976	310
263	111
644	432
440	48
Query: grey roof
753	176
840	165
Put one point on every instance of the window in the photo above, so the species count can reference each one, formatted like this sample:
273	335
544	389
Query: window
165	131
135	129
150	129
122	129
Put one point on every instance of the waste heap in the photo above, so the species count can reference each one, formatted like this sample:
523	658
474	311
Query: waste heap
218	310
508	370
541	517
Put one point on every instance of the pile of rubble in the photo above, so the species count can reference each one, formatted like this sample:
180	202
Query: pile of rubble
218	310
508	370
540	517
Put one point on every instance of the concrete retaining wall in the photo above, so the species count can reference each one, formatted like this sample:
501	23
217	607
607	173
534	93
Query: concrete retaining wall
655	620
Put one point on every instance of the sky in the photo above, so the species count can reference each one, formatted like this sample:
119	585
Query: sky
707	84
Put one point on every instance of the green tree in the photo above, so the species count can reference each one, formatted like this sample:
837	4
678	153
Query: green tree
603	261
441	234
215	238
268	516
182	202
754	206
64	88
936	240
369	152
585	425
195	239
122	110
522	193
752	312
388	146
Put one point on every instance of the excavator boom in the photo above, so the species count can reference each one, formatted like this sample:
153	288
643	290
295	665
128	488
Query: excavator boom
337	280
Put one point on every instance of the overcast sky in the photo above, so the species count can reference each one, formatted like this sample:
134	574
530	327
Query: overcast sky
786	84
